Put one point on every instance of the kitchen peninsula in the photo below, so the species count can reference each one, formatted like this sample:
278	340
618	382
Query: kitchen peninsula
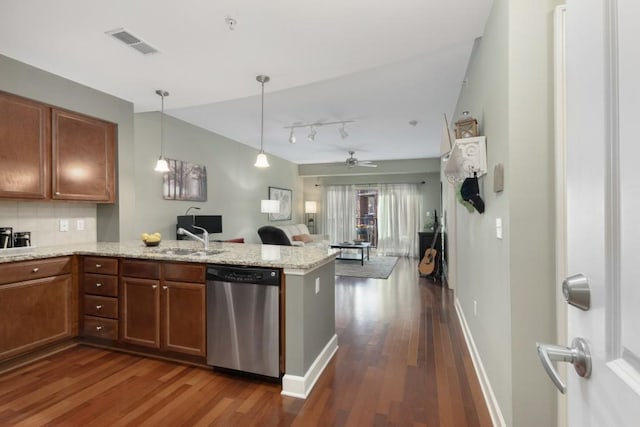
61	277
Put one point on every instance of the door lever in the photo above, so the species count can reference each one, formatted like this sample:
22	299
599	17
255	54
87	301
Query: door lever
578	355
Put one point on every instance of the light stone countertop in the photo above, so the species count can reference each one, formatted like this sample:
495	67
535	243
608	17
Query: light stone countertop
286	257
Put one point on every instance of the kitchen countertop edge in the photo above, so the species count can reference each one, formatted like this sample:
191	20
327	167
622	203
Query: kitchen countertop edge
250	254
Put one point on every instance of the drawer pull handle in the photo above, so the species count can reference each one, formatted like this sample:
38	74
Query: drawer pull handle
98	328
98	285
98	265
35	269
98	307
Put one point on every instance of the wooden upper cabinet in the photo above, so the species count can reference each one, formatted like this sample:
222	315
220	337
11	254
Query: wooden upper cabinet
83	156
25	147
50	153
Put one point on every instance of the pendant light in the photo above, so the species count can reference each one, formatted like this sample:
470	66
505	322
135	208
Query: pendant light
162	165
261	160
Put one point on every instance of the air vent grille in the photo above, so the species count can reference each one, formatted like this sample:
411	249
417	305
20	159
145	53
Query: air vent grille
132	41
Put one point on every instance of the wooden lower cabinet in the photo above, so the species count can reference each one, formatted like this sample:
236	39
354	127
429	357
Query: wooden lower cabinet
183	309
168	315
34	313
141	311
99	284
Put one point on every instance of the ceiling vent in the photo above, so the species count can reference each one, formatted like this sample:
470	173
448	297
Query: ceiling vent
132	41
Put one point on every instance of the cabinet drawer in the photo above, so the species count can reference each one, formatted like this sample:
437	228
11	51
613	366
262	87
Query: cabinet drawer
141	269
101	306
100	265
99	284
180	272
100	327
36	269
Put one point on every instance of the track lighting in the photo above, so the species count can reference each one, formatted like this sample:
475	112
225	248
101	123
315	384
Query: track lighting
313	129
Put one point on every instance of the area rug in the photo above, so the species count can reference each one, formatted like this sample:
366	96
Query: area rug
378	267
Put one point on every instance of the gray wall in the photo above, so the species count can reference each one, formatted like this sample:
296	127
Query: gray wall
113	221
310	317
509	90
235	186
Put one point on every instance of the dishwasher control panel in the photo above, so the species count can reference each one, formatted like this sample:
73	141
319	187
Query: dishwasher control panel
257	275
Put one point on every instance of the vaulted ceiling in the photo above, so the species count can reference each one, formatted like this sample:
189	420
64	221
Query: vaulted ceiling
393	68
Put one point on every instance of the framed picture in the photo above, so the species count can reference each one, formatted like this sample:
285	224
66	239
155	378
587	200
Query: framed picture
284	196
185	181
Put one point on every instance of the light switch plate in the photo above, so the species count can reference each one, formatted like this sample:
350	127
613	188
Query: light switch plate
80	225
64	225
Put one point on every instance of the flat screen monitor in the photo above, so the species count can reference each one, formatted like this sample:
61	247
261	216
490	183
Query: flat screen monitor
211	223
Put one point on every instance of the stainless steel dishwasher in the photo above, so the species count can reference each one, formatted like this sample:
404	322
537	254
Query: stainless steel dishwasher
243	319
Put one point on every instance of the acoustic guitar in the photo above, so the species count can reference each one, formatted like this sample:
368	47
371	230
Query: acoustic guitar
428	263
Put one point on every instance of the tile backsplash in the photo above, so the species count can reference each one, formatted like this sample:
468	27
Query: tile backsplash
42	219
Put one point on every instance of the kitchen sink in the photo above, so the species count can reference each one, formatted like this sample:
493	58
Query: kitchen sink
188	252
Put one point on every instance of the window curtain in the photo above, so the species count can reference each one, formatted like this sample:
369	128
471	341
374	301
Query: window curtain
400	209
340	212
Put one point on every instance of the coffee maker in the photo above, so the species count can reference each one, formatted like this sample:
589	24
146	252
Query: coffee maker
21	239
6	237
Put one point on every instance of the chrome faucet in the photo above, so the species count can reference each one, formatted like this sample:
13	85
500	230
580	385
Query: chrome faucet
191	207
204	239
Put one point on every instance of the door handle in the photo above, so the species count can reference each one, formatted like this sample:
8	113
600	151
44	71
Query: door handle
578	355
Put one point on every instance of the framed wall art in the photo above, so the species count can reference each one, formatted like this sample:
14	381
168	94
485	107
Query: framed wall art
185	181
284	197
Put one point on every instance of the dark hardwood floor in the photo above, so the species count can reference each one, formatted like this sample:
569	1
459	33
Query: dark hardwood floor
402	361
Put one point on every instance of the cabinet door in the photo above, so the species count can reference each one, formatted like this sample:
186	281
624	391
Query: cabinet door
184	317
25	146
83	155
34	313
140	313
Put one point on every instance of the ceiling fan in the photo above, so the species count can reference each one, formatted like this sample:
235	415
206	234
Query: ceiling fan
353	162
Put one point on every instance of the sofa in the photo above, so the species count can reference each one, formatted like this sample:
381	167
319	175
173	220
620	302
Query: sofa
290	235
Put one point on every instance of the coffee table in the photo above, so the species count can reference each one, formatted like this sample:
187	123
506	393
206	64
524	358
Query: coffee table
350	245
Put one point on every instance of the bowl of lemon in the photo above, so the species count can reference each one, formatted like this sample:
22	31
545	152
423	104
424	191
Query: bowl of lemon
151	239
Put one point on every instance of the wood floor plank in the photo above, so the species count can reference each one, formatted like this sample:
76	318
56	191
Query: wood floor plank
402	361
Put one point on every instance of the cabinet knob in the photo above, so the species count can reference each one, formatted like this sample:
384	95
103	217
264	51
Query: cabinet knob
35	269
98	265
98	307
57	193
98	285
154	286
165	287
98	328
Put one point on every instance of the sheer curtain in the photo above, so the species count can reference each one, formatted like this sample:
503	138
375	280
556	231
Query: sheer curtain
399	219
340	212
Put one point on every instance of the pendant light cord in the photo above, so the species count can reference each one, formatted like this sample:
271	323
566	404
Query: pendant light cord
162	125
262	119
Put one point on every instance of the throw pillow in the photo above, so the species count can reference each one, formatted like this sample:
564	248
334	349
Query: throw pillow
305	238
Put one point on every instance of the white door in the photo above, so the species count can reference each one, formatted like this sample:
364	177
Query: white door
603	206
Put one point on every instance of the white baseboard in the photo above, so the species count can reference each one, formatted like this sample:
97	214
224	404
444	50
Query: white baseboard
300	387
485	385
